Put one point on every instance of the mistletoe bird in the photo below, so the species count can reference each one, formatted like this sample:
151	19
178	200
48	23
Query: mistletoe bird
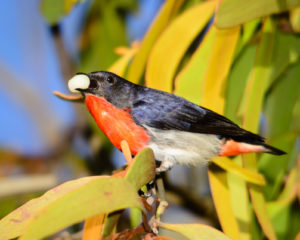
178	131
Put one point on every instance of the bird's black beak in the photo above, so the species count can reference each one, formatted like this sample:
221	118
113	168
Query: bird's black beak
80	90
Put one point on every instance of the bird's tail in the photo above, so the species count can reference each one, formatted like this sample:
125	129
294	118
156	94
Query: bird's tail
272	150
231	148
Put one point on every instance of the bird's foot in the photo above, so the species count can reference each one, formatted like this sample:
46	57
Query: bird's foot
166	165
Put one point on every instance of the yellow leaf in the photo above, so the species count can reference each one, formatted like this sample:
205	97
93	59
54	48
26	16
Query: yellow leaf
189	81
173	43
195	231
218	68
240	202
213	97
99	195
295	19
222	201
136	68
248	175
69	4
93	227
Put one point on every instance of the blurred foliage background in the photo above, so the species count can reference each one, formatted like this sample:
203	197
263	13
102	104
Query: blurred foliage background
238	58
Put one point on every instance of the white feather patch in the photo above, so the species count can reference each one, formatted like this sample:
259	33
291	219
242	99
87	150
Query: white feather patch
184	147
78	81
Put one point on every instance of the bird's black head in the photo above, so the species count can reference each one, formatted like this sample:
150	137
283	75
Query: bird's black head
113	88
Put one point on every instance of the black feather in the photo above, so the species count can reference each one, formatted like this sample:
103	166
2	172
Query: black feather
166	111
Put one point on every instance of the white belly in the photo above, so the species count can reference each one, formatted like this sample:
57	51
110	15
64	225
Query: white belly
183	147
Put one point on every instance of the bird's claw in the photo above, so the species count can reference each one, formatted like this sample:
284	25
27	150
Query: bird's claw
165	165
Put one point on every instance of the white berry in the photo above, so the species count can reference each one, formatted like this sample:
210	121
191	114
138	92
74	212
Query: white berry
81	81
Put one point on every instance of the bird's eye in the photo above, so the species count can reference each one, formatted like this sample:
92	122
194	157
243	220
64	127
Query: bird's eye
110	80
93	84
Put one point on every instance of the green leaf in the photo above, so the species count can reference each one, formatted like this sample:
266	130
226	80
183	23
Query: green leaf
280	215
67	204
256	89
237	81
259	78
55	10
248	32
142	170
281	101
234	12
169	50
275	173
286	52
104	31
195	231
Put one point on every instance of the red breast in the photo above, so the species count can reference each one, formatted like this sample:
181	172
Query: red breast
117	124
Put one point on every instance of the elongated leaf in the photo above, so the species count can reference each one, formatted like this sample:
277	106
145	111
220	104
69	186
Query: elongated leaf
16	221
217	177
222	201
94	227
237	81
275	173
295	19
214	91
142	170
240	202
281	102
247	175
138	64
53	11
104	31
102	195
257	86
67	204
248	33
173	43
235	88
234	12
189	82
286	51
195	231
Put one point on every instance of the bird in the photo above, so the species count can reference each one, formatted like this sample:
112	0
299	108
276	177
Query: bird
177	130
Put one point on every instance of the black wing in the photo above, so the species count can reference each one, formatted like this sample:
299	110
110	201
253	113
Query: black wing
166	111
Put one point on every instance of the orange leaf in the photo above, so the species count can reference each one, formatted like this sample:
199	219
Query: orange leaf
93	227
121	64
